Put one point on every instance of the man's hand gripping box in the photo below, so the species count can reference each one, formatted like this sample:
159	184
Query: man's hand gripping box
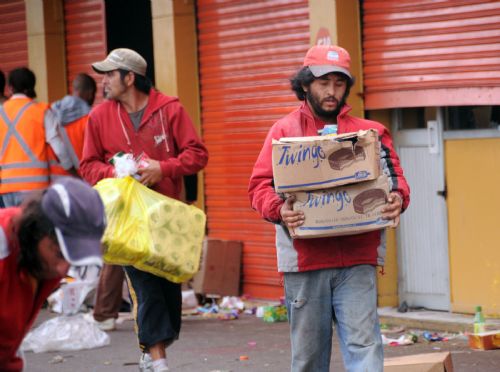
320	162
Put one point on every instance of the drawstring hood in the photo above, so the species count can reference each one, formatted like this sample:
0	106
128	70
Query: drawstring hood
69	109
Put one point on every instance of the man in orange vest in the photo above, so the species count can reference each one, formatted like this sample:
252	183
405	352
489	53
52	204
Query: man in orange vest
71	113
26	131
2	100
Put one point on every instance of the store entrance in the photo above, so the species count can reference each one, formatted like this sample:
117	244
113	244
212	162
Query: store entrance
129	25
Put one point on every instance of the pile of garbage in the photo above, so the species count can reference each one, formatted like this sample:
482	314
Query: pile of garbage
230	308
69	331
399	336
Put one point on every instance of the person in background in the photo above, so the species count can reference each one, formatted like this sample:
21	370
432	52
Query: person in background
3	98
138	119
51	230
27	129
71	112
327	280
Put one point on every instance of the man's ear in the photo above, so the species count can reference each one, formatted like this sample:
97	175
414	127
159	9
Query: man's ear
130	78
304	88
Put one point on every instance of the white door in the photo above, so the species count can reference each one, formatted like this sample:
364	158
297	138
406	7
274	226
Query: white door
423	234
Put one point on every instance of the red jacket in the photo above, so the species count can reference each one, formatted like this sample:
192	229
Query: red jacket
19	301
166	134
319	253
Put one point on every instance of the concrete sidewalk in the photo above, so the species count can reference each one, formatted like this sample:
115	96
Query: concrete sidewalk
244	344
432	320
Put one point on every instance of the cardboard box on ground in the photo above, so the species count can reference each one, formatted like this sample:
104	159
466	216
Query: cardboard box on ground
432	362
320	162
485	341
220	268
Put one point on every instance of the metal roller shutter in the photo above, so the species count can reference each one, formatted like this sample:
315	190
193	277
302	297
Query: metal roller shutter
431	53
85	36
14	38
247	53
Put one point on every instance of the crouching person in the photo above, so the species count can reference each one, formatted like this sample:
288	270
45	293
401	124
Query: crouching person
51	230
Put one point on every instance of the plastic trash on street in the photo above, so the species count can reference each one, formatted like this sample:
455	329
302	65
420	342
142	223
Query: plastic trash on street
65	333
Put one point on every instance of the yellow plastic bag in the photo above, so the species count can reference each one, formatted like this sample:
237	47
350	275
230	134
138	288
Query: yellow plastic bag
150	231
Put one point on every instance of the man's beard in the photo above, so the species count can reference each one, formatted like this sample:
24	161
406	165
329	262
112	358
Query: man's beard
330	116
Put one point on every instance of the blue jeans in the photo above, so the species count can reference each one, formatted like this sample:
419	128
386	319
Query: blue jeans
346	297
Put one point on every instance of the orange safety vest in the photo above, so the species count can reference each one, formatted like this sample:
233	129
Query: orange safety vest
23	151
72	136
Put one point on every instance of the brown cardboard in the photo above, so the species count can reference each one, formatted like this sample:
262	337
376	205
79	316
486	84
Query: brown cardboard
432	362
343	210
320	162
485	341
220	268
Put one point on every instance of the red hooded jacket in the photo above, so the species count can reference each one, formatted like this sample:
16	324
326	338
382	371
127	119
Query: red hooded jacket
166	134
20	301
320	253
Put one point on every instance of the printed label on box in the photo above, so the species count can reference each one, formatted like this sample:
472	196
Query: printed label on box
308	163
343	210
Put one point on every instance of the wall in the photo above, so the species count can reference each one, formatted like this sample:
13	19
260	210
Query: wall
176	59
387	280
338	22
45	28
473	176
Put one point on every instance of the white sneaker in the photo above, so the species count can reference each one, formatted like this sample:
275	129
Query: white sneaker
146	363
162	369
105	325
160	365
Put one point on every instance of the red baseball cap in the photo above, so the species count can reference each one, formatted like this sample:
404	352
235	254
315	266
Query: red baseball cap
323	59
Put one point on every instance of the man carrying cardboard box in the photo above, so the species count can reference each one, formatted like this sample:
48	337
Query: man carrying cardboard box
329	279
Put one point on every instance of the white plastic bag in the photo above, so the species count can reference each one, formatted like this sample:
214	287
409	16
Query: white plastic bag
65	333
71	297
189	300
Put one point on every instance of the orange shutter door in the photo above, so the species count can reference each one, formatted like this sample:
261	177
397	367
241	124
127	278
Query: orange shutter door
13	35
431	53
85	33
247	51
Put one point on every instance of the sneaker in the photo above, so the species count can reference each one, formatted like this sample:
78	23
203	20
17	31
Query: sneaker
105	325
162	369
146	363
160	365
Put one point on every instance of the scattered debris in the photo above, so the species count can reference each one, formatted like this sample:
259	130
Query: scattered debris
64	333
57	359
387	328
276	313
407	339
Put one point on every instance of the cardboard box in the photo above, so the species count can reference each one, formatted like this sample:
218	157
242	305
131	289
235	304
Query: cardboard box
320	162
220	268
343	210
433	362
485	341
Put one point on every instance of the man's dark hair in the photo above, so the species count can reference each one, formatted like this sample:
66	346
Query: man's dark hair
141	83
23	80
84	82
304	77
2	83
85	87
33	226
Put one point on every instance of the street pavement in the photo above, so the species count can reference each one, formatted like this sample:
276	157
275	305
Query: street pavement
244	344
